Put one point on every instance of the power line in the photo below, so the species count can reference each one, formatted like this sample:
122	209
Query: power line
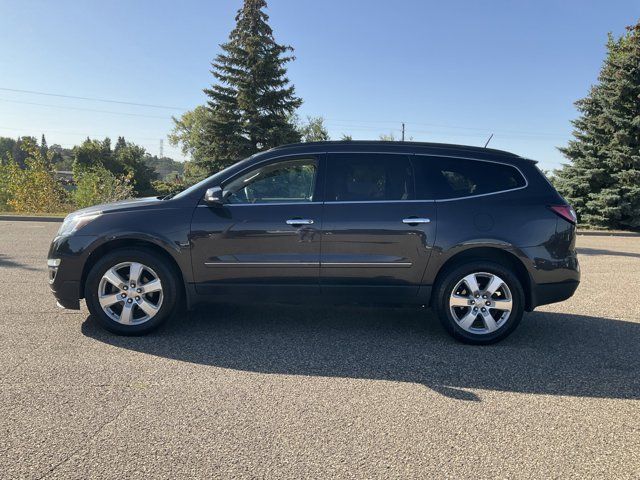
93	99
349	123
439	125
83	109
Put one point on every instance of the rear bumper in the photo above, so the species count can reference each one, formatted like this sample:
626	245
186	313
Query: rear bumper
553	278
546	293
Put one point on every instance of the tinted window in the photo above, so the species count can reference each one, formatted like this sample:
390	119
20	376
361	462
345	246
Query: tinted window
291	181
452	178
369	177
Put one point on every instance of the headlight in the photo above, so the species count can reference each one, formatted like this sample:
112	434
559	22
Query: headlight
74	222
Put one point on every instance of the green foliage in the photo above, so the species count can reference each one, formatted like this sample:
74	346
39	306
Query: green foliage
126	159
5	194
602	180
17	150
388	137
346	138
189	132
168	187
165	168
100	174
6	149
251	101
194	172
96	184
312	130
34	188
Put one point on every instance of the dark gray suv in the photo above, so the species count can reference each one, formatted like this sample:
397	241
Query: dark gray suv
478	234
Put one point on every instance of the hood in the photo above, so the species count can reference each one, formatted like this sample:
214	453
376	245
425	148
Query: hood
122	205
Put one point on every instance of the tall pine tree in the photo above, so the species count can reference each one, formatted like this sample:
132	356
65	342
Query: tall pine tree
251	103
602	181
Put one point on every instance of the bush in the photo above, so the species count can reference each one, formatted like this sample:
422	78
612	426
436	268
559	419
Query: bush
97	185
5	194
33	189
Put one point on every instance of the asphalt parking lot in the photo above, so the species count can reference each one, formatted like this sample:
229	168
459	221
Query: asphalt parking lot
294	392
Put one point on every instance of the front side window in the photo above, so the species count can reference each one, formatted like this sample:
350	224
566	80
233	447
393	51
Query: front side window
442	178
290	181
365	177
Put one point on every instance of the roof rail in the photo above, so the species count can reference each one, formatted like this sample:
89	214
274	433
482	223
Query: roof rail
396	143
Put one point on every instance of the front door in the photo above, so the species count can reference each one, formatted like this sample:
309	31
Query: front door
264	241
377	238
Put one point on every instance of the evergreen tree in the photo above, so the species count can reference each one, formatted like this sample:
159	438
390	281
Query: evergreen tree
602	181
44	149
120	144
251	102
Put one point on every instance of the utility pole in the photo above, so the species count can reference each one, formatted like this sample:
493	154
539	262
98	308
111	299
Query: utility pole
161	148
403	131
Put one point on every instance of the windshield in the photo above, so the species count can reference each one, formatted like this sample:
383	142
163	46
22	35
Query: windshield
211	179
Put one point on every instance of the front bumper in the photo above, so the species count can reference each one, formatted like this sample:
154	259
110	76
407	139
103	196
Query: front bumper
66	292
65	279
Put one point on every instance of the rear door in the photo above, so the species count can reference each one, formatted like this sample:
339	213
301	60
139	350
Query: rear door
377	238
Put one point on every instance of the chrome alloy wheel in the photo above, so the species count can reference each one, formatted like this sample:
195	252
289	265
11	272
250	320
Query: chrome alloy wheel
130	293
481	303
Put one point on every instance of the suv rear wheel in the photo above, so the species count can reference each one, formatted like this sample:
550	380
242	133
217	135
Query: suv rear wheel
479	302
131	291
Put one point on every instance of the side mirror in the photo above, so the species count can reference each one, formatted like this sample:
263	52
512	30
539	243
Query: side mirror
213	196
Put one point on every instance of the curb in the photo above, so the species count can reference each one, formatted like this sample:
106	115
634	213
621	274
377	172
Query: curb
26	218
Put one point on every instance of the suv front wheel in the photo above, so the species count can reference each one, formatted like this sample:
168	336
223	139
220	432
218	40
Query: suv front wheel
131	292
479	302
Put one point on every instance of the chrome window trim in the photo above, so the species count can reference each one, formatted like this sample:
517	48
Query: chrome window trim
340	202
366	264
264	203
409	154
526	182
262	264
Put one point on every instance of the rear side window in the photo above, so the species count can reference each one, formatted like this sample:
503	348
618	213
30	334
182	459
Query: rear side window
442	178
361	177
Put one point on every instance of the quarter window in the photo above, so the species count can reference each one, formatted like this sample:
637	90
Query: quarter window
442	178
291	181
369	177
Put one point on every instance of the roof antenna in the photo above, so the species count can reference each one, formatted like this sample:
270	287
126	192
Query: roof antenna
485	145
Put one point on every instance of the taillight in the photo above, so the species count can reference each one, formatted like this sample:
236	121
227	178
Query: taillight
566	212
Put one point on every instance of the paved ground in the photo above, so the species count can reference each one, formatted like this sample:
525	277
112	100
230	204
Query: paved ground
287	392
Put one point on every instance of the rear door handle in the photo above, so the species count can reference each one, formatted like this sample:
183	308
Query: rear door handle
415	221
300	221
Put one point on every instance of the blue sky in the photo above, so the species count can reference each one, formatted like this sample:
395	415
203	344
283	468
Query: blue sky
453	71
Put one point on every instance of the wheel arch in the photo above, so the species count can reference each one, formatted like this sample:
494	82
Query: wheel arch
131	242
504	257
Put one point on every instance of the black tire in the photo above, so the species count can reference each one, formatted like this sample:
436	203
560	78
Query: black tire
164	271
444	288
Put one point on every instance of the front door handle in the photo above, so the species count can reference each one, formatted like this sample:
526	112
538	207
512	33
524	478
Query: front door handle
300	221
415	220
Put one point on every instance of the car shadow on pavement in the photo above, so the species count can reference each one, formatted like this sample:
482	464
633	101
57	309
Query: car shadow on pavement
7	262
550	353
601	251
